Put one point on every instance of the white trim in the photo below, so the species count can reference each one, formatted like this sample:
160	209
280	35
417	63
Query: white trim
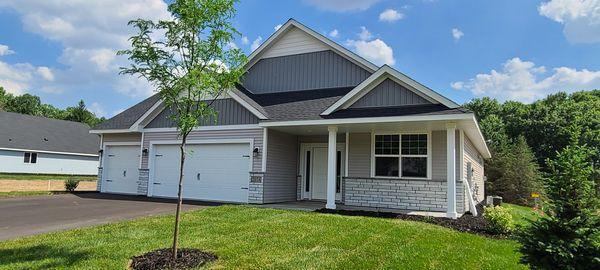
103	159
461	154
49	152
304	147
429	155
486	153
264	150
101	131
255	55
204	128
347	145
247	105
136	125
388	72
151	154
451	170
340	121
141	150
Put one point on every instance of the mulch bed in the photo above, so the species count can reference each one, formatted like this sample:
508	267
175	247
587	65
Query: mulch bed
466	223
162	259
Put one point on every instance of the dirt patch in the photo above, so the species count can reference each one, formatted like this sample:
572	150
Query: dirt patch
466	223
162	259
42	185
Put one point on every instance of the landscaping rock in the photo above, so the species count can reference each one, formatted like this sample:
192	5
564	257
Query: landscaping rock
162	259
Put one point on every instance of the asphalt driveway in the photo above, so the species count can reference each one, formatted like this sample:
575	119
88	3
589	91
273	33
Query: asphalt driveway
33	215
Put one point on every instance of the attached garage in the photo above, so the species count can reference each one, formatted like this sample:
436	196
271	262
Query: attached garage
120	169
214	170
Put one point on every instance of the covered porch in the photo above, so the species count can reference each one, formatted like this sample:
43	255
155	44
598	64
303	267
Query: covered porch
379	164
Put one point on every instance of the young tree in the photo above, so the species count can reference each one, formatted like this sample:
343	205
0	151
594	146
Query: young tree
189	61
568	237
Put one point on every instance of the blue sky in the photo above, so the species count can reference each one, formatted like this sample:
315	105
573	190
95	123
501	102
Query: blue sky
64	51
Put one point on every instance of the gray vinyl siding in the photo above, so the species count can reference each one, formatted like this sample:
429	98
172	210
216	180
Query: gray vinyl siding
282	161
341	137
122	137
230	112
254	134
359	155
389	93
315	70
438	155
472	155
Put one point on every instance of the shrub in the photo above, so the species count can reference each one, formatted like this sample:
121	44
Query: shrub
568	237
71	184
499	220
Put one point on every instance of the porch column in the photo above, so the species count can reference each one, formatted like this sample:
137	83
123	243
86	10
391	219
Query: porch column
451	169
331	161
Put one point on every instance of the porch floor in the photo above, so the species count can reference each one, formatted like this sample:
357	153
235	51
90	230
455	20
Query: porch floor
310	206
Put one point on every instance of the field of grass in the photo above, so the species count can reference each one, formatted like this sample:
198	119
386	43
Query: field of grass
15	176
522	215
246	237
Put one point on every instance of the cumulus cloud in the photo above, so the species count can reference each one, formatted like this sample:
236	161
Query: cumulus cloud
5	50
19	78
376	50
581	18
390	15
97	109
457	34
334	33
342	5
90	33
524	81
364	34
256	43
245	40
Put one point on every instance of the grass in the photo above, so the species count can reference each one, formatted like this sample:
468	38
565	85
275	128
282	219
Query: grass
246	237
15	176
522	215
13	194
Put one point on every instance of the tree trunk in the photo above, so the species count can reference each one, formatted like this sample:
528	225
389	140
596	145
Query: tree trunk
179	197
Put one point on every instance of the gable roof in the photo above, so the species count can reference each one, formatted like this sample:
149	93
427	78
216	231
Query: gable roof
387	72
125	119
41	134
290	24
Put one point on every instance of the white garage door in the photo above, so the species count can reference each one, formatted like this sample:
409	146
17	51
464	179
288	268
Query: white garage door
212	172
120	169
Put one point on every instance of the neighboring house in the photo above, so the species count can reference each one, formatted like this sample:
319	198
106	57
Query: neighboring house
310	121
40	145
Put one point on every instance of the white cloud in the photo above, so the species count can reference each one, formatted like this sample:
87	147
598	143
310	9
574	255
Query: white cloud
277	27
524	81
457	34
364	34
256	43
97	109
245	40
390	15
581	18
375	51
90	33
5	50
232	45
334	33
342	5
17	78
46	73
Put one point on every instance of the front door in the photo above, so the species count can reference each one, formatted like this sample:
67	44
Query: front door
319	173
315	171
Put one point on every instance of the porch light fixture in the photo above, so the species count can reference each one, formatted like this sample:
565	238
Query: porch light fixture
145	151
100	151
255	152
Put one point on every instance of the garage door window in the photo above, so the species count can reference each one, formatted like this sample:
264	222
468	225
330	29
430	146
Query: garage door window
29	157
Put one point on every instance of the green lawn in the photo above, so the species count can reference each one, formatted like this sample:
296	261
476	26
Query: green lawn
16	176
257	238
522	215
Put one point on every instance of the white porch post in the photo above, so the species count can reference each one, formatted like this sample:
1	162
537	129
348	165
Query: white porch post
331	161
451	169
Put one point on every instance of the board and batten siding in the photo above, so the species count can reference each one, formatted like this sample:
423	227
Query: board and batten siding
471	155
229	112
280	182
122	137
389	93
47	163
256	134
315	70
294	41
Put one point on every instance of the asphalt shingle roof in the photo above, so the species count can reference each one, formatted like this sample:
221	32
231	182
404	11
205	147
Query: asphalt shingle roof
126	118
20	131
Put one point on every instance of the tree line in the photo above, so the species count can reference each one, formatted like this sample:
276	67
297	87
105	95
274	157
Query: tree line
525	138
32	105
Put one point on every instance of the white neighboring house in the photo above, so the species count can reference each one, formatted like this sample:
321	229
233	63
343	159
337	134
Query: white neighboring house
40	145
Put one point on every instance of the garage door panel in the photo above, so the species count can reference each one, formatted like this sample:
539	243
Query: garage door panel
218	172
120	169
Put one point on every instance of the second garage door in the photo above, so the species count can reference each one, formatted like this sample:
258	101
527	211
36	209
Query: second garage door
212	172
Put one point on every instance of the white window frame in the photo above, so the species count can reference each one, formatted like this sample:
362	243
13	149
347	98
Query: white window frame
400	155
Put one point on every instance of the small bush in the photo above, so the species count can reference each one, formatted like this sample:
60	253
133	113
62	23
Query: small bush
71	184
499	219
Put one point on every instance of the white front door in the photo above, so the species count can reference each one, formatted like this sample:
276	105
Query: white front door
314	168
319	173
120	169
214	172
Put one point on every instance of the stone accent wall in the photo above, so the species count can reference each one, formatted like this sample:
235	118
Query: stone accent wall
144	176
99	182
418	195
255	188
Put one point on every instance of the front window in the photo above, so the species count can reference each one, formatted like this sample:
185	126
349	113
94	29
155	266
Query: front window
401	155
29	157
